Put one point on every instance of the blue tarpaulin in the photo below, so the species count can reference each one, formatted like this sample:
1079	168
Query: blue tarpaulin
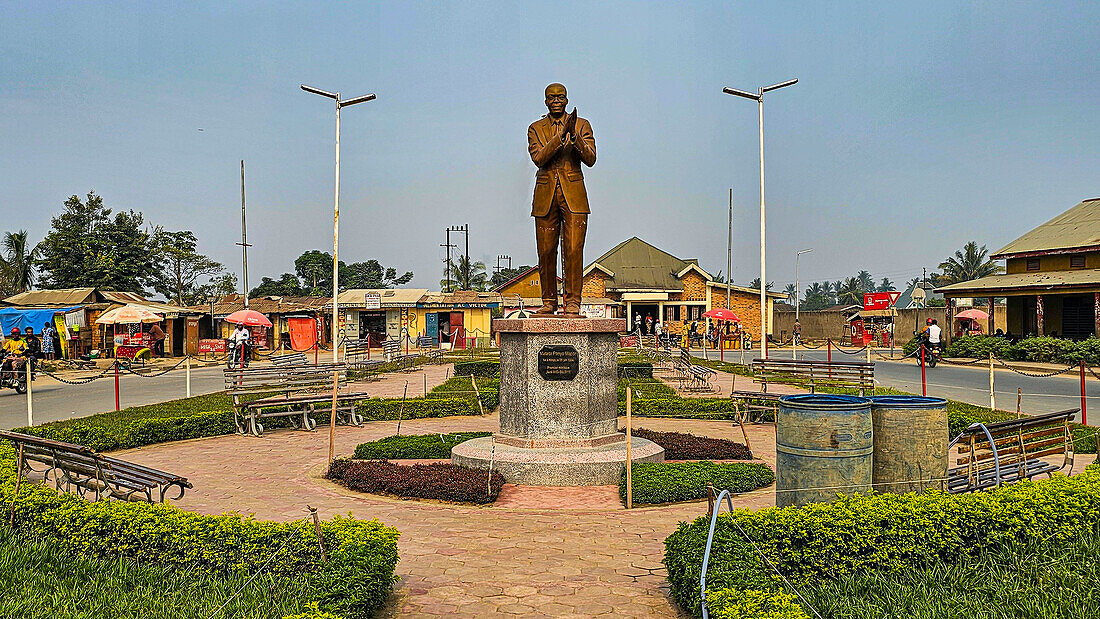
37	317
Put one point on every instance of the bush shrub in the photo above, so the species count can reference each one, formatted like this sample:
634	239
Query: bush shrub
417	408
979	347
445	482
668	482
1037	349
645	388
424	446
688	408
354	582
485	368
753	604
460	387
312	612
682	446
877	533
116	432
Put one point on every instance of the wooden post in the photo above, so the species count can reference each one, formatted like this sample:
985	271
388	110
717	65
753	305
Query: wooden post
992	394
1039	315
332	418
317	530
629	486
1019	400
188	364
1084	415
477	394
992	321
30	403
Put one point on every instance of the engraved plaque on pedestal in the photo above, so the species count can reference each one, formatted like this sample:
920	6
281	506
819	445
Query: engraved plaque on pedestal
558	362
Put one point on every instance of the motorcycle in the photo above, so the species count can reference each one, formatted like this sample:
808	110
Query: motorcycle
234	350
931	354
13	374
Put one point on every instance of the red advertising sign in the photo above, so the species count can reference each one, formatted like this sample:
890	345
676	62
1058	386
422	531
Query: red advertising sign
212	346
879	300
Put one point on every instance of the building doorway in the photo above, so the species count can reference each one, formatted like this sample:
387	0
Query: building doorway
645	310
1078	317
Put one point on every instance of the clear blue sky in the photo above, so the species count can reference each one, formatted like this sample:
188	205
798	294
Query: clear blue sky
914	127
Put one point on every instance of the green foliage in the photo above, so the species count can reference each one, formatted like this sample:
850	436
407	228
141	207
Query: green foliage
286	286
87	247
1024	580
687	408
418	408
415	446
753	604
17	265
971	262
668	482
485	367
886	533
464	275
312	612
354	582
180	266
645	388
40	580
439	481
205	415
978	346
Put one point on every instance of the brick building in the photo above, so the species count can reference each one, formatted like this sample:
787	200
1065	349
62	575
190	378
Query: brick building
648	281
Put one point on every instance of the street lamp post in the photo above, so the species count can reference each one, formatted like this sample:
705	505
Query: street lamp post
336	215
797	294
759	98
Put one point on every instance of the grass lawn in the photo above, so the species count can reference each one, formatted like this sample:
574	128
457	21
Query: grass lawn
1038	581
40	581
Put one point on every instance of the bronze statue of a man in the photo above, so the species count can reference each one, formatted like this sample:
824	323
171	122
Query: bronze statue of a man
559	143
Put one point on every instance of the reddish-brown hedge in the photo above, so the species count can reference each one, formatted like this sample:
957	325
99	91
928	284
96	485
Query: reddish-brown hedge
682	446
442	481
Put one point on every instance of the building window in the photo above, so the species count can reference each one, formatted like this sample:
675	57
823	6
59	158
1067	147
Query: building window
1032	264
695	312
1077	261
672	312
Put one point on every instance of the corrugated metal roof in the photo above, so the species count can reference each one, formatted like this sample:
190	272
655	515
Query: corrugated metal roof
639	265
1075	228
121	297
389	296
265	305
460	297
62	296
1040	280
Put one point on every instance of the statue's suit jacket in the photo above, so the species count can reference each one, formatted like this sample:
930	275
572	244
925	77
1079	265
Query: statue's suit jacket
563	166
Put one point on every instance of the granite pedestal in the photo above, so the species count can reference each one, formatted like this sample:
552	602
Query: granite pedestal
558	406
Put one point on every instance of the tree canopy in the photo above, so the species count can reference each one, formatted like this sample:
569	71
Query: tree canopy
313	277
180	268
970	262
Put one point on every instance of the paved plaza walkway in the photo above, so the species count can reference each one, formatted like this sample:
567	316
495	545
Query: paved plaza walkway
536	552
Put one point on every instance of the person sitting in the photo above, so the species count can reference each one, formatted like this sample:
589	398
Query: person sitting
14	348
34	350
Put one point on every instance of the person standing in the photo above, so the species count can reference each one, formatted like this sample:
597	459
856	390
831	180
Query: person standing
649	324
797	332
156	334
638	323
48	334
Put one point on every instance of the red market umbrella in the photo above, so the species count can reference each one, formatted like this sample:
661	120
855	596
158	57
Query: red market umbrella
722	313
973	314
249	317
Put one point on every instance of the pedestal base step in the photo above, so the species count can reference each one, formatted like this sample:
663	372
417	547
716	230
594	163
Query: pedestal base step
575	466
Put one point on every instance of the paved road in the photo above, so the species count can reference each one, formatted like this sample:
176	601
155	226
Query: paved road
971	384
54	400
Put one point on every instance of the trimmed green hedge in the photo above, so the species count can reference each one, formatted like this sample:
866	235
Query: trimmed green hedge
354	581
484	368
688	408
312	612
877	533
753	604
417	408
668	482
1037	349
116	432
414	446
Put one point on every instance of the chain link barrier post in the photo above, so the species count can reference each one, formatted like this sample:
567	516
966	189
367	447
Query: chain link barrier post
923	383
992	393
1084	416
30	403
629	485
117	408
188	361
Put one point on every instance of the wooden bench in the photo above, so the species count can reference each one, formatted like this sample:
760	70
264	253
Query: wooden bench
813	374
1007	451
757	406
426	347
391	350
293	392
77	466
293	359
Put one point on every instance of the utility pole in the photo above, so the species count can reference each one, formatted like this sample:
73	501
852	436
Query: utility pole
466	230
729	251
499	258
244	239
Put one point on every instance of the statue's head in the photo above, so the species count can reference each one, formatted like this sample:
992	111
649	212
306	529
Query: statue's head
556	99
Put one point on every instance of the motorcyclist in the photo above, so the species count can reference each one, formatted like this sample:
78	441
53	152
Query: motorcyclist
14	347
34	350
241	338
931	335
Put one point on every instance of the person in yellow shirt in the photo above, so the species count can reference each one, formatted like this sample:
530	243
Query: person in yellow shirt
14	347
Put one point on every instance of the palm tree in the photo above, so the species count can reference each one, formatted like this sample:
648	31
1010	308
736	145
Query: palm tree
18	261
465	275
851	292
756	284
866	282
971	262
792	294
885	285
912	283
834	291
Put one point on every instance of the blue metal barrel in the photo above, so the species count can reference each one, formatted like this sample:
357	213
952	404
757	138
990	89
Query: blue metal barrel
823	448
910	442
